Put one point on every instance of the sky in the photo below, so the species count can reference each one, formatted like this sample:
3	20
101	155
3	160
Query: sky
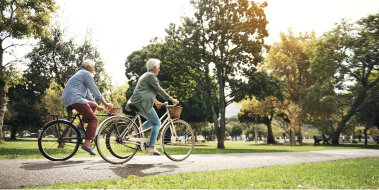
119	27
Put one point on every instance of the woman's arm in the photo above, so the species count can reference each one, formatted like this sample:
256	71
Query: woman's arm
154	83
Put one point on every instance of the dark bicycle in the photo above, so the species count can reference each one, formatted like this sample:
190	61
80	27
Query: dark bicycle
60	138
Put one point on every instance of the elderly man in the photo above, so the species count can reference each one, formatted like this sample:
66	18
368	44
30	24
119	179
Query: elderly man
143	98
77	96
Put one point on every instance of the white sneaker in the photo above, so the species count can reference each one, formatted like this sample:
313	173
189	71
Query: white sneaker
154	151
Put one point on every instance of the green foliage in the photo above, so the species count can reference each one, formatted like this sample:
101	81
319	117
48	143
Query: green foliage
52	100
347	53
25	18
342	174
116	95
55	59
236	131
23	110
19	19
26	149
172	78
288	61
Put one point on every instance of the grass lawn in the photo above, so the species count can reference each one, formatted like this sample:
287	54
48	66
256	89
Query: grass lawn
28	148
344	174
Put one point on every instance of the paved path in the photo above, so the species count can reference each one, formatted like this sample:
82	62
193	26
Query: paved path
36	172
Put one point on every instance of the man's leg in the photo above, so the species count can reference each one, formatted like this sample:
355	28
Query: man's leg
88	115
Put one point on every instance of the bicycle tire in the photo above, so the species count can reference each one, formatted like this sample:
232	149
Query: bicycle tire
115	149
177	148
54	144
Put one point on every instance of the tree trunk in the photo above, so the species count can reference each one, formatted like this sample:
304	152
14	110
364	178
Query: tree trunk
255	133
3	104
346	117
3	100
270	136
221	129
13	132
300	135
365	132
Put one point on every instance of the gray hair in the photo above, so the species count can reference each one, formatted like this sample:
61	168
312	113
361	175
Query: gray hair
88	62
152	63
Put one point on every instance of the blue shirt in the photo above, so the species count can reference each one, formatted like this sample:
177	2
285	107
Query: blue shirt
78	87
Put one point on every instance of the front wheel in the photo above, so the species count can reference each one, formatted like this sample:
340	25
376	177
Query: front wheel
177	140
59	140
114	140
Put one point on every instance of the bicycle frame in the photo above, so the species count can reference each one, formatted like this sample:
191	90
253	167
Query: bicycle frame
166	118
71	119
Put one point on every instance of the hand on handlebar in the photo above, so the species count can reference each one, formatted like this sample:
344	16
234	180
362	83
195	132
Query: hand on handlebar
174	101
158	104
109	106
99	108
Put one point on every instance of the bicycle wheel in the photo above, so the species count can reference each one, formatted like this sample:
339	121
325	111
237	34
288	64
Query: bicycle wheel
113	139
178	140
59	140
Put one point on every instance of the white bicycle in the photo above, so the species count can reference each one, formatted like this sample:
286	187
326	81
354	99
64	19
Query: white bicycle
119	137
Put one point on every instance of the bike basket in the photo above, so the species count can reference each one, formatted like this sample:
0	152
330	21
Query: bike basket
175	111
116	111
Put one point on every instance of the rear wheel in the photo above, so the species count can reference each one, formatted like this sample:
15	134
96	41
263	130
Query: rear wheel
114	140
178	140
59	140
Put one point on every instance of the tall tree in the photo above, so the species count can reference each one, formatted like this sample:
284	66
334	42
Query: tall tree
350	53
368	111
176	81
230	37
19	19
56	59
288	60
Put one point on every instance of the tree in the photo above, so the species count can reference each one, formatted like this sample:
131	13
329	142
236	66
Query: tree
261	112
19	19
288	60
368	112
22	107
236	131
350	53
172	78
228	39
116	94
55	59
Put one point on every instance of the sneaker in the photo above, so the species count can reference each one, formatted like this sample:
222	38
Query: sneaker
89	150
154	151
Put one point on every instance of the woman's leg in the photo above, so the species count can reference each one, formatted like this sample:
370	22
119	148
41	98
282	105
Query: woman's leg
152	119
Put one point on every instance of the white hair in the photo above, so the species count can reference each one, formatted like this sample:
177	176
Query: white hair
88	62
152	63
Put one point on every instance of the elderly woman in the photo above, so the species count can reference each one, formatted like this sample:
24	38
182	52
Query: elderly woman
76	95
143	98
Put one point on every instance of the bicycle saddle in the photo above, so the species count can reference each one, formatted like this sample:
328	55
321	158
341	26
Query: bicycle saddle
131	107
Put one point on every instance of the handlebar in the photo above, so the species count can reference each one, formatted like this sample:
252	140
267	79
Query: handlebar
165	104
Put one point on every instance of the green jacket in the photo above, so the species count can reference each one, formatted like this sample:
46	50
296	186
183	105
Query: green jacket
146	91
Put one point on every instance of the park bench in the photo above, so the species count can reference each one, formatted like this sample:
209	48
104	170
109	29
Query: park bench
323	138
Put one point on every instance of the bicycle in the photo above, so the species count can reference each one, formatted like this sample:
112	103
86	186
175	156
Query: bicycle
60	138
119	137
